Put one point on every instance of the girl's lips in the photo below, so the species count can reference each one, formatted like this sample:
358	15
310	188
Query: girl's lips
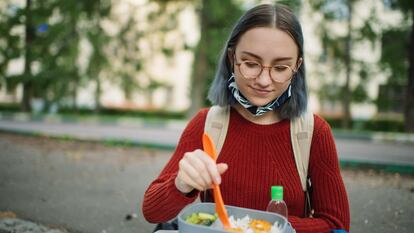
261	91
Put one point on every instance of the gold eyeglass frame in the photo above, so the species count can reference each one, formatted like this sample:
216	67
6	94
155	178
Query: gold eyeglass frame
262	68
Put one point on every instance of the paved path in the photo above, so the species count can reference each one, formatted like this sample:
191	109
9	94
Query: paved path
363	151
82	187
360	151
167	136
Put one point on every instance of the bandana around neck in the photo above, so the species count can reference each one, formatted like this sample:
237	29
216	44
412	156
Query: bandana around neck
256	110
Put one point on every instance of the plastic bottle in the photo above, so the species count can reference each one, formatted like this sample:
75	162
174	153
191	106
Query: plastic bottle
277	204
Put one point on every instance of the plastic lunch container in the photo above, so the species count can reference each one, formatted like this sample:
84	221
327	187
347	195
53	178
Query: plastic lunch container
236	212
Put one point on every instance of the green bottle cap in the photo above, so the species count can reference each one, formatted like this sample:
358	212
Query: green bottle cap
277	193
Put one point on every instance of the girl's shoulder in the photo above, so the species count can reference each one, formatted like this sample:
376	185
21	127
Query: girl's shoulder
196	125
320	125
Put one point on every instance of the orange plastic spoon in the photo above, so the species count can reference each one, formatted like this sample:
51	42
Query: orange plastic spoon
210	149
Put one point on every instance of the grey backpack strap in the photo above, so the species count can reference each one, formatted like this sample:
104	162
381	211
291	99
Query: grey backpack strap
301	131
217	123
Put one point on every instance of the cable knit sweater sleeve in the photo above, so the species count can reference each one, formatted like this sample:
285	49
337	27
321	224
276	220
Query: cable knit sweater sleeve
329	198
162	200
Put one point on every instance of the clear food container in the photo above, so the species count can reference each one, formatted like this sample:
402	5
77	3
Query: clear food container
236	212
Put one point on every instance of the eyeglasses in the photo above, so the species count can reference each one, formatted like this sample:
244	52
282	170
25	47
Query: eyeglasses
253	69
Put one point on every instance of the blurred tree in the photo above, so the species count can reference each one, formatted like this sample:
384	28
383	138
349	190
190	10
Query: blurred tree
295	5
125	47
397	41
56	33
49	46
394	63
97	11
216	19
139	43
338	49
27	73
10	38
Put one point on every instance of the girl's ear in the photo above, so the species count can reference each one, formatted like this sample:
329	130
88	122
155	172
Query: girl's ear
299	63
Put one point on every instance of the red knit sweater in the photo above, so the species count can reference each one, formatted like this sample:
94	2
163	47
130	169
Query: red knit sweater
259	156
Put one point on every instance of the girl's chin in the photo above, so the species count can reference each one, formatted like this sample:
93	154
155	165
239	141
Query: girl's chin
260	103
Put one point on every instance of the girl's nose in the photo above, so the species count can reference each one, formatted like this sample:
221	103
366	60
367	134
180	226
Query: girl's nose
264	79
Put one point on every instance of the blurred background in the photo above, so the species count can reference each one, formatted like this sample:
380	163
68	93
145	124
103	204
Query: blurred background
127	56
94	96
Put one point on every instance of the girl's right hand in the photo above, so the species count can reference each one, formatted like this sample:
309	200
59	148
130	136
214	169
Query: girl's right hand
196	170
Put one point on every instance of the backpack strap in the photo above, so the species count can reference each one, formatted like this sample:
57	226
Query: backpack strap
301	131
217	123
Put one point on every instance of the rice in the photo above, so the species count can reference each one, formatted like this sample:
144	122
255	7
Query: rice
244	224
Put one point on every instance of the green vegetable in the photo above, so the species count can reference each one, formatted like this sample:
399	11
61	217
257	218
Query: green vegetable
201	218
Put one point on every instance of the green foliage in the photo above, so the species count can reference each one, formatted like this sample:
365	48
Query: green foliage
329	91
337	49
10	41
359	94
332	9
394	54
217	19
384	125
162	21
391	97
54	47
406	6
366	31
394	62
295	5
113	112
58	29
9	107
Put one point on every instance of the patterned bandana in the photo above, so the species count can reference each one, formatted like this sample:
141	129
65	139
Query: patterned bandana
256	110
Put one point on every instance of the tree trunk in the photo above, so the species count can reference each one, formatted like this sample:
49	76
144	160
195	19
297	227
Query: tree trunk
98	95
346	120
409	101
74	96
98	63
27	75
200	66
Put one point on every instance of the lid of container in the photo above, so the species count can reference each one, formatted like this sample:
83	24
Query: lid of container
277	193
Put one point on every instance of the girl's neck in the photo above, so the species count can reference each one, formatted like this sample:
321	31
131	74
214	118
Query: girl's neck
268	118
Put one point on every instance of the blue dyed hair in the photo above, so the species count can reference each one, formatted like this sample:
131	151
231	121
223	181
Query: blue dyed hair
266	15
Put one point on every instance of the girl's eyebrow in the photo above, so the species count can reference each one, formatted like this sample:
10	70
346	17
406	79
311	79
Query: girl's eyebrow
274	60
